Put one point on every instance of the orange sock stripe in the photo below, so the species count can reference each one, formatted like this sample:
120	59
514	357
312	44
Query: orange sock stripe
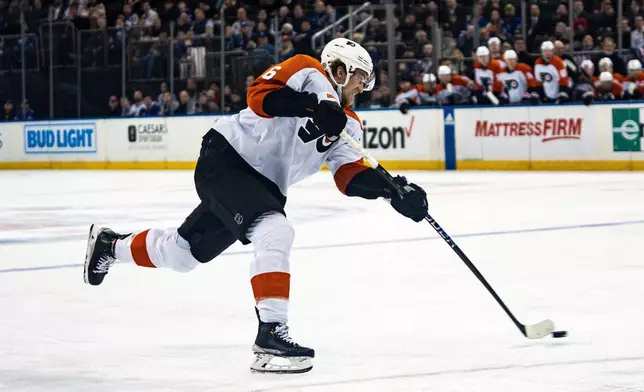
139	250
271	285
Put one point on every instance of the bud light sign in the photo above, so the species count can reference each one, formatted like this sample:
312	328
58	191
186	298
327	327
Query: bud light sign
58	138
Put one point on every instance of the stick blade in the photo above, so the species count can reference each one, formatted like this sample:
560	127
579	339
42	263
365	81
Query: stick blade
539	330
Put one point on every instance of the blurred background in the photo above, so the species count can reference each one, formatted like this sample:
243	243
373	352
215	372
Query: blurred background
92	58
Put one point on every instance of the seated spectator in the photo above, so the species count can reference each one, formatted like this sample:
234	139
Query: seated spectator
522	51
205	104
183	25
137	106
200	24
25	113
113	107
511	22
495	26
150	108
9	114
126	107
320	18
288	50
425	63
184	102
608	51
149	14
637	33
236	103
168	103
131	19
299	18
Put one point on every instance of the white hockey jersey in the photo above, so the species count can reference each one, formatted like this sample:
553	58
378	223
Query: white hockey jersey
289	149
552	75
516	81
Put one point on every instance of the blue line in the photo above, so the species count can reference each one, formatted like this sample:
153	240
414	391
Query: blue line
352	244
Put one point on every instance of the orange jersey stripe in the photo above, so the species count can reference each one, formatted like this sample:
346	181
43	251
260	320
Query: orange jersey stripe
349	112
271	285
275	78
346	172
140	251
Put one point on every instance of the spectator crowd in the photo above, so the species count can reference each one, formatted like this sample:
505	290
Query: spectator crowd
545	60
537	60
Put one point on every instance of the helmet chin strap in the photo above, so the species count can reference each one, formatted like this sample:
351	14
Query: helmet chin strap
339	87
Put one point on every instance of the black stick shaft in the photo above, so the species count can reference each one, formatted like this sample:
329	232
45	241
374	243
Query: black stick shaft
458	251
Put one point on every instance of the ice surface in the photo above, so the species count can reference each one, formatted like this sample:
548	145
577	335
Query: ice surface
385	303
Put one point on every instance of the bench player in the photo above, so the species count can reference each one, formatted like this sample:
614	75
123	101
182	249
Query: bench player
297	110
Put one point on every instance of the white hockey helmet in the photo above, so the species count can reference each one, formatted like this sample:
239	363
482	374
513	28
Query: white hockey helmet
587	64
444	70
634	65
605	77
353	56
510	54
482	51
494	41
605	61
547	45
429	78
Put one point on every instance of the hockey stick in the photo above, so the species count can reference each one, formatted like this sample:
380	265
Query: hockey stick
533	331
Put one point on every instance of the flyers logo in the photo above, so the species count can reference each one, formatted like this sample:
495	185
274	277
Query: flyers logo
311	132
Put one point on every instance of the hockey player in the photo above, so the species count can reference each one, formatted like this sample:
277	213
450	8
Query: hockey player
634	82
496	53
419	95
517	79
427	90
550	72
453	89
585	84
607	88
296	112
606	65
485	76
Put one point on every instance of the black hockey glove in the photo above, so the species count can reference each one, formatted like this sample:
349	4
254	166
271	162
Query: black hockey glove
588	98
413	203
404	107
330	118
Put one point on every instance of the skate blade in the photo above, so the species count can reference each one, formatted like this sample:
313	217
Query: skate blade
91	243
268	363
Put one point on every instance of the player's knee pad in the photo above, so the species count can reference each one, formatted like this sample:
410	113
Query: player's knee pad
174	251
272	236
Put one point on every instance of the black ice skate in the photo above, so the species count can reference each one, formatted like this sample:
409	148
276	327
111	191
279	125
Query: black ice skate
100	254
275	351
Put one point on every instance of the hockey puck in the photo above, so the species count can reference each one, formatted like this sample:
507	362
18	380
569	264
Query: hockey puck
559	334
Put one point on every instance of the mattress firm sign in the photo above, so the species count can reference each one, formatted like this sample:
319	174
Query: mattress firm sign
525	133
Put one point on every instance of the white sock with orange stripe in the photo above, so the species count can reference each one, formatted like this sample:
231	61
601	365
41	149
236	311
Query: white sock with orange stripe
157	248
272	236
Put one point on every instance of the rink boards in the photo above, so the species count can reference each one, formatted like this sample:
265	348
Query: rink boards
571	137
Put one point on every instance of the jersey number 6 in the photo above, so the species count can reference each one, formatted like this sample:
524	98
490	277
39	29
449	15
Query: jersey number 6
271	72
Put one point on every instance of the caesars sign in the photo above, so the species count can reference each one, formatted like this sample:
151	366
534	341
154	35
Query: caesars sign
149	135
